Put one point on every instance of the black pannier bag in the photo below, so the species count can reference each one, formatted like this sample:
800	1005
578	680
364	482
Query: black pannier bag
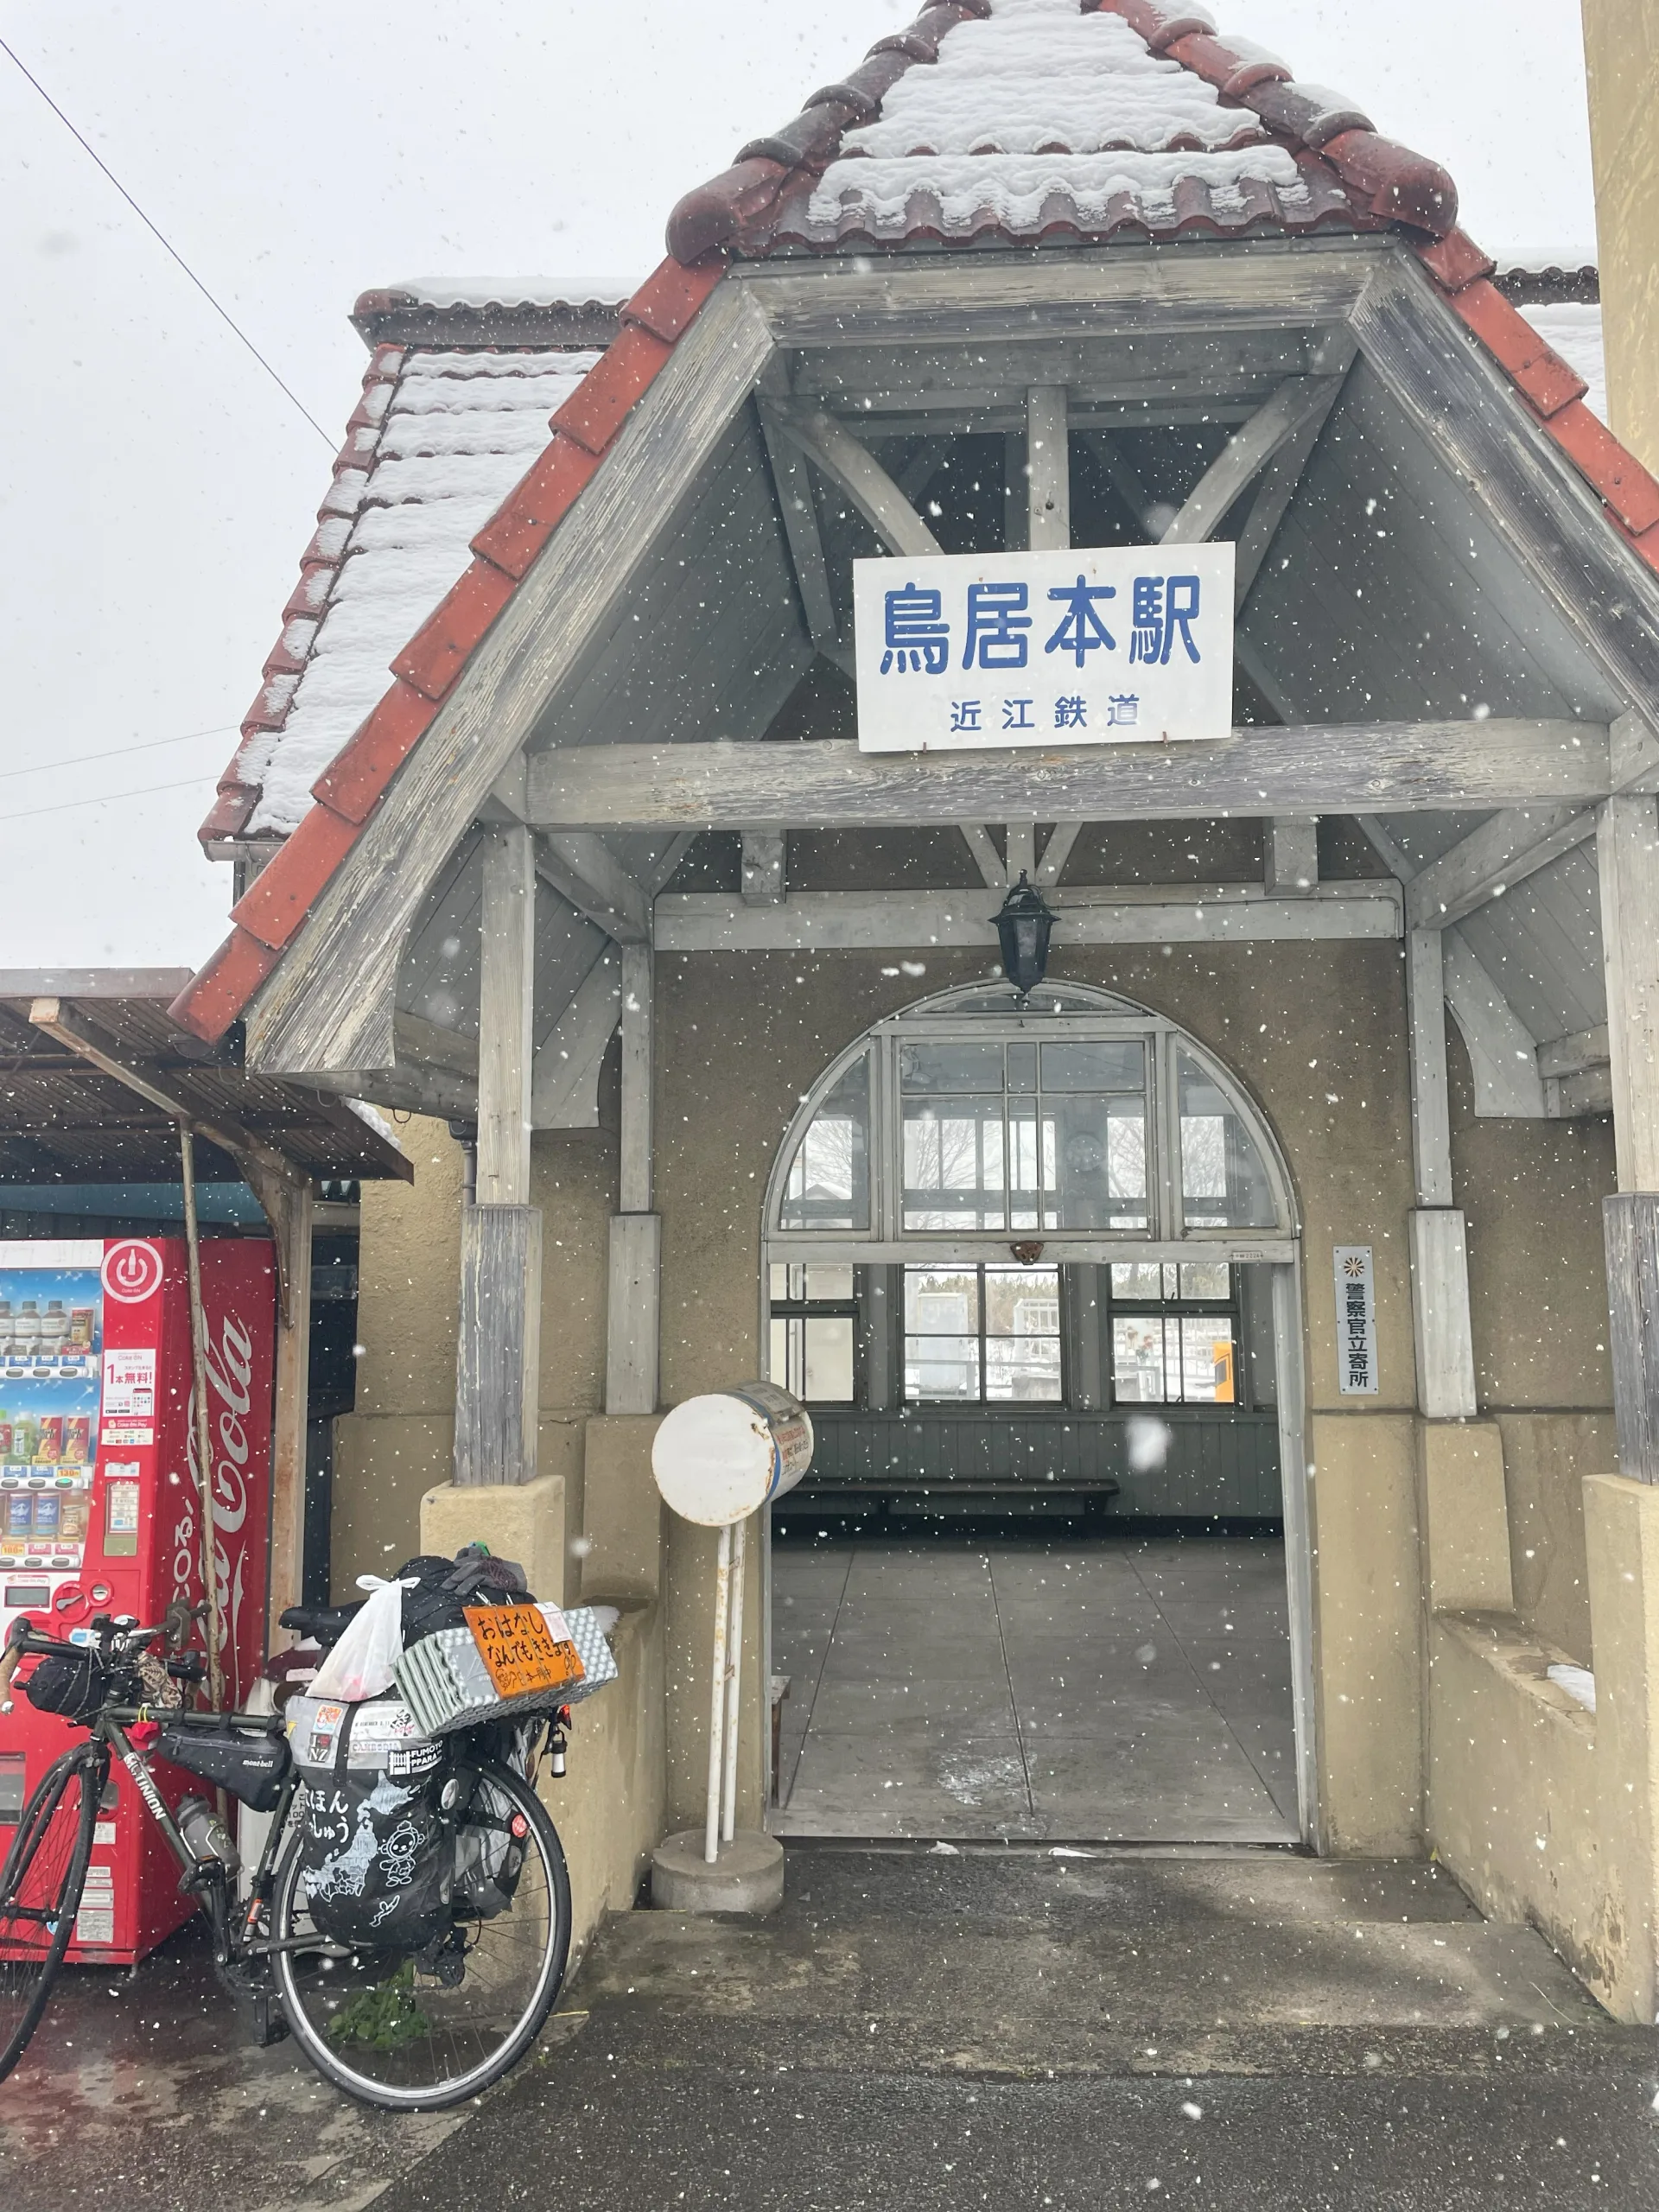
489	1857
72	1682
377	1859
252	1767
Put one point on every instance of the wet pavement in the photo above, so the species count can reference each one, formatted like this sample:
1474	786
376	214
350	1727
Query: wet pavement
926	2029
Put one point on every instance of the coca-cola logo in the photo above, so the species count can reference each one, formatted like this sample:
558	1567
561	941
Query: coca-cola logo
132	1271
230	1377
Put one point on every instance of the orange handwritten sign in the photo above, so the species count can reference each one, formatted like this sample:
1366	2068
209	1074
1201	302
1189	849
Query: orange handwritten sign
516	1645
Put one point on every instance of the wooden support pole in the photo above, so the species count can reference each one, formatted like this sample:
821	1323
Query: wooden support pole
201	1431
506	1003
289	1208
1627	853
498	1354
632	1325
765	882
1293	856
1440	1258
1048	466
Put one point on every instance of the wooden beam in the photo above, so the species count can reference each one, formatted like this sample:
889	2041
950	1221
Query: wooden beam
1440	1305
498	1344
830	921
425	1044
506	1006
763	867
330	1004
1056	853
1274	493
1630	1227
1340	769
1297	402
289	1208
1505	850
1430	1126
796	503
582	869
1022	850
1627	855
1292	854
1503	1056
1093	292
564	1081
639	1046
853	469
1574	1055
634	1313
992	868
1048	467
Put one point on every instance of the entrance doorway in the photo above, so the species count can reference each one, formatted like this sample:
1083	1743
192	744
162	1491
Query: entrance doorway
1033	1268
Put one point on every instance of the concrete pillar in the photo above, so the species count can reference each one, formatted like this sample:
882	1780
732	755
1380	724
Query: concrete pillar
1622	1552
1621	54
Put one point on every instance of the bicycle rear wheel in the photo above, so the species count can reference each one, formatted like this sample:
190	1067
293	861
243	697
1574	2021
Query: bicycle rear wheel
415	2035
41	1883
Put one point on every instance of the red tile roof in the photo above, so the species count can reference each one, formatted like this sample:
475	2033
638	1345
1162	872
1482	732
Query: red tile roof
1342	173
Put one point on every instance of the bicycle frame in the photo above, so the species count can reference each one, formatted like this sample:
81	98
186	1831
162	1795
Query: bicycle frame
208	1878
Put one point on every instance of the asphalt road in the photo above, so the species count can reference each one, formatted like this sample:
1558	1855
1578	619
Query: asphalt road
922	2030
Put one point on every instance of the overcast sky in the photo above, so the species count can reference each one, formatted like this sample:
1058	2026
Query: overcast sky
156	489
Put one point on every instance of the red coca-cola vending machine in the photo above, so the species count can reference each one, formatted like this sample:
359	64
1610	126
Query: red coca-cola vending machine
100	1508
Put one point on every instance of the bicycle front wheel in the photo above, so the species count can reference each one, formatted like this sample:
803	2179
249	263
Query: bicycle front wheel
41	1883
416	2034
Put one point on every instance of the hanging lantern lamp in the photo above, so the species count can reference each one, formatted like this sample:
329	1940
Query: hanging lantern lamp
1023	926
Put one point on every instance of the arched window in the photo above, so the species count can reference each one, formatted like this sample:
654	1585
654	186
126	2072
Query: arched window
1074	1119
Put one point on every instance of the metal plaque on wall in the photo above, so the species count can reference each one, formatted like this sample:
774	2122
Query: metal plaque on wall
1119	645
1356	1322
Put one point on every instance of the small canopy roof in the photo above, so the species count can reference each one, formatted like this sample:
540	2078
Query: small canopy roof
64	1119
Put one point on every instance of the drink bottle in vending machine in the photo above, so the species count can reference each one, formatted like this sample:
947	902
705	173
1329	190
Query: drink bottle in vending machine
100	1505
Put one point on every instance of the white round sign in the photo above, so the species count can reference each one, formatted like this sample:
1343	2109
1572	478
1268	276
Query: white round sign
717	1459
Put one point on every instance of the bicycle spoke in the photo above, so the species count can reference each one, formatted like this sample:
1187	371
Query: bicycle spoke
39	1891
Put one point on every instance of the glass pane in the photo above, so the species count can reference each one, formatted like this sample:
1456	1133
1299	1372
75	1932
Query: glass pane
1224	1181
1118	1066
834	1285
941	1333
1206	1359
1206	1279
829	1359
1022	1067
1023	1334
939	1068
1094	1158
1138	1361
953	1164
780	1279
1137	1279
829	1185
787	1362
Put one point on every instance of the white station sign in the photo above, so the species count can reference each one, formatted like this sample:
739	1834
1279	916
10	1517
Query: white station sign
1109	645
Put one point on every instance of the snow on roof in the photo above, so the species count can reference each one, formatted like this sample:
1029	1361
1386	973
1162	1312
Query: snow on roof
1039	103
1575	333
460	430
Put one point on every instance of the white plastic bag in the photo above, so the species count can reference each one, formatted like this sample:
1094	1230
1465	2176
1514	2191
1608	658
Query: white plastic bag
363	1662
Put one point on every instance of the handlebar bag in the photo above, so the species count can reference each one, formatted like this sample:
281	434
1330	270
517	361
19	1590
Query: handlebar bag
72	1682
252	1767
376	1857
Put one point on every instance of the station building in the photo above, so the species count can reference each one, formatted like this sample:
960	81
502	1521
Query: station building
1231	1358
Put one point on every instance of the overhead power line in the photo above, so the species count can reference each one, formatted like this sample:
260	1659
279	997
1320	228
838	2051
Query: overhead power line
101	798
115	753
223	313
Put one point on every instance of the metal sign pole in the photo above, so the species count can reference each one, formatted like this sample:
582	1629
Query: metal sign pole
717	1716
733	1685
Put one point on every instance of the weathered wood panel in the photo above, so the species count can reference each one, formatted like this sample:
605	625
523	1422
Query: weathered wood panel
1630	1224
1439	1306
1342	769
498	1349
634	1313
1627	848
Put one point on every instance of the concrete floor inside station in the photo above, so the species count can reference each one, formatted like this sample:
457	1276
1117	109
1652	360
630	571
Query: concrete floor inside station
1032	1687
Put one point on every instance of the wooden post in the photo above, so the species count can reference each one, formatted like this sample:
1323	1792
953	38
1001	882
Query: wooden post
498	1354
1292	868
1627	853
632	1328
1439	1257
1049	468
764	879
288	1203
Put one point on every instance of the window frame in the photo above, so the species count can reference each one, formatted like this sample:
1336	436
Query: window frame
1179	1307
1060	1404
1075	1016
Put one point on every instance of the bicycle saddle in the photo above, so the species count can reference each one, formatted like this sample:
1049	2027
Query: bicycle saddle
327	1623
